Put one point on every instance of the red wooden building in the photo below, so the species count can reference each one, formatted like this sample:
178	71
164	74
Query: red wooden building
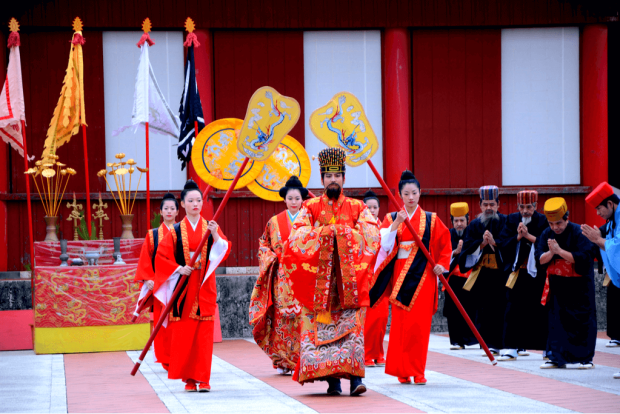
466	93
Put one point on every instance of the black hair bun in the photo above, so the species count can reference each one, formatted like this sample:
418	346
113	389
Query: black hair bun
293	183
169	196
407	175
370	194
191	185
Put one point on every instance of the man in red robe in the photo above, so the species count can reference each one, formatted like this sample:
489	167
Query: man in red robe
329	257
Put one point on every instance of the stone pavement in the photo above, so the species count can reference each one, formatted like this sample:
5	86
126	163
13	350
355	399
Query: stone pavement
244	381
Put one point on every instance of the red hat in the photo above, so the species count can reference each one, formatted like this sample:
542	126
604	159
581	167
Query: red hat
527	197
599	194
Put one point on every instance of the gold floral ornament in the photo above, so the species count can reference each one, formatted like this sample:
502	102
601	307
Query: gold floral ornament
13	25
77	25
146	25
51	179
123	180
190	26
99	212
75	215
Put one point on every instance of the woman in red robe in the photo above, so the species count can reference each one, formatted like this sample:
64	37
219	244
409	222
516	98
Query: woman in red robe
190	323
145	273
403	274
375	325
273	308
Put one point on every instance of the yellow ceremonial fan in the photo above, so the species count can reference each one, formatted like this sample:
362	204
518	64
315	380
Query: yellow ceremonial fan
270	116
342	123
215	156
289	158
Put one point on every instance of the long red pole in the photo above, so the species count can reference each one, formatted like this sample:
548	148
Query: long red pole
137	313
87	181
29	215
148	180
421	246
176	292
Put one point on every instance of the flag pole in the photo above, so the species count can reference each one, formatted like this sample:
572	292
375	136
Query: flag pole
87	181
29	214
181	281
148	179
421	246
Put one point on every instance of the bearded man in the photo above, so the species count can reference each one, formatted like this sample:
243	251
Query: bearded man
329	257
526	325
487	281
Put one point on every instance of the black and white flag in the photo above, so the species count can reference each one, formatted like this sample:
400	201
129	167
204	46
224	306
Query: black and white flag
189	112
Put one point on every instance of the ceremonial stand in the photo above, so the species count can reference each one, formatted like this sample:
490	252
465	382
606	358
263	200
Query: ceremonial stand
87	308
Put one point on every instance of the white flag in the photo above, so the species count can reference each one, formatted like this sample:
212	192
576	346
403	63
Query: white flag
149	104
12	110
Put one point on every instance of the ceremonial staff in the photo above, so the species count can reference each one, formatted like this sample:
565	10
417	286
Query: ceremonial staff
342	122
269	117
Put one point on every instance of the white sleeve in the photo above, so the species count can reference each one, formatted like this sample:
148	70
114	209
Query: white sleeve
218	251
388	239
472	259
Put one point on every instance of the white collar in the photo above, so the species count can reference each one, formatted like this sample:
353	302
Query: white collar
192	224
412	214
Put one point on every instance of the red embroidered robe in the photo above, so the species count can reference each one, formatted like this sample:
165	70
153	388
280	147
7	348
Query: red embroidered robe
273	309
329	258
191	320
407	279
145	271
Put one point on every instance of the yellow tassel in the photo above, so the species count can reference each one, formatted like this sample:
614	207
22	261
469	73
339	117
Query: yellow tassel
325	317
512	279
472	278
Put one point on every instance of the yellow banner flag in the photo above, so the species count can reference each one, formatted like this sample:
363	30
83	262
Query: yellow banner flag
69	113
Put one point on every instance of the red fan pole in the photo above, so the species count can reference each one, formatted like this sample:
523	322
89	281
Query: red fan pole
421	246
181	281
87	181
29	214
148	180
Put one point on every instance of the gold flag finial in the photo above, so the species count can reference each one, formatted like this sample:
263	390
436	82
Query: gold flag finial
13	25
146	25
189	25
77	25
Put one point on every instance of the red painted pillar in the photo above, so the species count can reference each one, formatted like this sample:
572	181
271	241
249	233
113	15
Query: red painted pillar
594	137
4	174
397	141
203	56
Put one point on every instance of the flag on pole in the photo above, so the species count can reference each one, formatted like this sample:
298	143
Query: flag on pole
12	109
190	110
149	103
70	111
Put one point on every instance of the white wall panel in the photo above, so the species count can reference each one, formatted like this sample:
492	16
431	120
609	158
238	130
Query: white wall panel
540	106
344	61
120	65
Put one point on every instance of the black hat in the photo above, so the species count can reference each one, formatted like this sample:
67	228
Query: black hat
168	196
293	183
332	160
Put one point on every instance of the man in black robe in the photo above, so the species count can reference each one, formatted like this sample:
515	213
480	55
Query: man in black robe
526	325
487	281
569	289
460	333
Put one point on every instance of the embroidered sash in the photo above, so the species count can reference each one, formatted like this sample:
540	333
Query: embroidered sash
558	267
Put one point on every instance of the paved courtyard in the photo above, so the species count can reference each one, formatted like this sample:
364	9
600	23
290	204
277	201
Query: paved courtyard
243	381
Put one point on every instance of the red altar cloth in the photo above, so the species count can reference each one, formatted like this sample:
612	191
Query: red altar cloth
48	253
86	296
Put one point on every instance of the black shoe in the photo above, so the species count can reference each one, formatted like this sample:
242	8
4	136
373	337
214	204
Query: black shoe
334	386
357	386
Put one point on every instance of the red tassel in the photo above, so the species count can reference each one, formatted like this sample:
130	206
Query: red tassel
13	40
145	38
191	39
78	39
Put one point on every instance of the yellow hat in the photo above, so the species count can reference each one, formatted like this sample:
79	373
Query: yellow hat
555	208
459	209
